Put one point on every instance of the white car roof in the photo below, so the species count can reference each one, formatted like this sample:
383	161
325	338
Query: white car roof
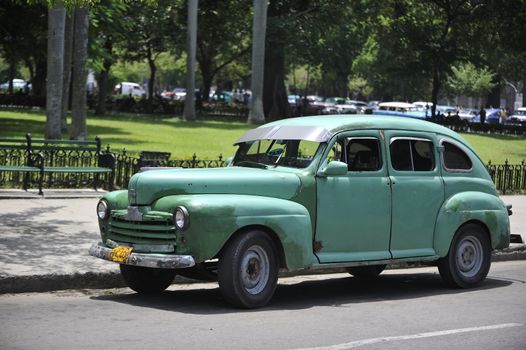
396	104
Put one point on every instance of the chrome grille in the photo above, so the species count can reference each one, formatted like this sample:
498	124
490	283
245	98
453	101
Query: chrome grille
142	232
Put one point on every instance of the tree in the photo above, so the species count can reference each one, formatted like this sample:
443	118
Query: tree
257	114
68	54
23	41
466	79
148	35
107	30
295	28
509	42
55	71
191	41
79	129
230	19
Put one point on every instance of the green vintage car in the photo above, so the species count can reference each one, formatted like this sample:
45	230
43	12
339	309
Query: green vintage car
354	192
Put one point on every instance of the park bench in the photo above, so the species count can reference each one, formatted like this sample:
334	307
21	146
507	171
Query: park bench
153	159
17	157
57	159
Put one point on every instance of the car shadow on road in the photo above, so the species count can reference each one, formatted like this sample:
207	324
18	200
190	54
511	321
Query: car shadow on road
332	292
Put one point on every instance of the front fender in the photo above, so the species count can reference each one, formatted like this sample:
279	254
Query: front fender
214	218
472	206
116	200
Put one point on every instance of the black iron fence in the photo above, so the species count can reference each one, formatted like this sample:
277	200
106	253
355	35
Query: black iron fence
128	165
508	178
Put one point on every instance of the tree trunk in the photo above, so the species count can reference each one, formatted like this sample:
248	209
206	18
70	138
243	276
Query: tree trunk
79	129
275	102
38	84
259	28
493	100
524	82
191	43
435	89
55	71
12	69
207	73
30	68
68	47
151	82
102	80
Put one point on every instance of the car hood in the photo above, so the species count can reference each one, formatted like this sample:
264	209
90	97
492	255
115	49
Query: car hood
146	187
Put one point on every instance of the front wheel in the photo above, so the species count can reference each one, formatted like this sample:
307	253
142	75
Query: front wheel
248	270
469	258
146	280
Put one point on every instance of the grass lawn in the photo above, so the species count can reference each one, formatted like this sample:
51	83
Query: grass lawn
207	139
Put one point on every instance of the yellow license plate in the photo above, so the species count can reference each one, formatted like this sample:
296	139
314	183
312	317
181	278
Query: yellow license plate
121	254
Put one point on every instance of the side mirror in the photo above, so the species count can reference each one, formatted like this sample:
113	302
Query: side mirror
334	168
228	161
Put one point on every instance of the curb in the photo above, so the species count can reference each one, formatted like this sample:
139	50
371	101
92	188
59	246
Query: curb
51	194
107	280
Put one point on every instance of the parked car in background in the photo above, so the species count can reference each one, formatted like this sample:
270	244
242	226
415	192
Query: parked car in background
360	105
519	116
467	114
294	100
329	105
131	89
492	116
400	109
177	94
19	85
371	106
446	110
222	96
308	194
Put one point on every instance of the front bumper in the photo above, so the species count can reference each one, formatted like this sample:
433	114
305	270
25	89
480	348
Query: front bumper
160	261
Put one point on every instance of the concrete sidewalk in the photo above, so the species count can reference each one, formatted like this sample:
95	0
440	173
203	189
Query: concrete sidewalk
44	242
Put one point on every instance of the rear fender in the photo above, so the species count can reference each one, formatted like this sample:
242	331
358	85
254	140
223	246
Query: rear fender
461	208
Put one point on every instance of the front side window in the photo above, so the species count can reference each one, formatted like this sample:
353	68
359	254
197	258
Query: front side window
289	153
455	159
412	154
363	154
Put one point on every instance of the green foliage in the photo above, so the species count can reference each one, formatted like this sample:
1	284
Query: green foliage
107	28
360	86
391	49
468	80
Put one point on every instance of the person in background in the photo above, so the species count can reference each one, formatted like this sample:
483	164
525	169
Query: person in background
502	115
482	114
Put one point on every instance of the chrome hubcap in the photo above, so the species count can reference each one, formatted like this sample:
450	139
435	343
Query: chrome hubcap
469	256
255	269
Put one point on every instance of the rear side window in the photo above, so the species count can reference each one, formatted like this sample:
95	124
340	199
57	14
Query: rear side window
412	154
455	158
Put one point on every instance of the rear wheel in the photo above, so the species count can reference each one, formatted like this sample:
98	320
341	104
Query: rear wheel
146	280
469	258
366	272
248	270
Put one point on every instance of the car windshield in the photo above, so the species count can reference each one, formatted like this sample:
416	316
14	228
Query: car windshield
264	153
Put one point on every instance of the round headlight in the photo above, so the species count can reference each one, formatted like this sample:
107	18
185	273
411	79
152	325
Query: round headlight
102	210
181	218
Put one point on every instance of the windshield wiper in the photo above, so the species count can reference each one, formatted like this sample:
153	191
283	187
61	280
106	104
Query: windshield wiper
251	164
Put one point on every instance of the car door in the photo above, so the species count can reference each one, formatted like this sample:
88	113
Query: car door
417	192
354	209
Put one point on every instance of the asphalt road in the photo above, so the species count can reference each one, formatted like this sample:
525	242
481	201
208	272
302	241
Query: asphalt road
404	309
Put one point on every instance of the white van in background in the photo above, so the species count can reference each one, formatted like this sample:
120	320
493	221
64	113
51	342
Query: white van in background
127	88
